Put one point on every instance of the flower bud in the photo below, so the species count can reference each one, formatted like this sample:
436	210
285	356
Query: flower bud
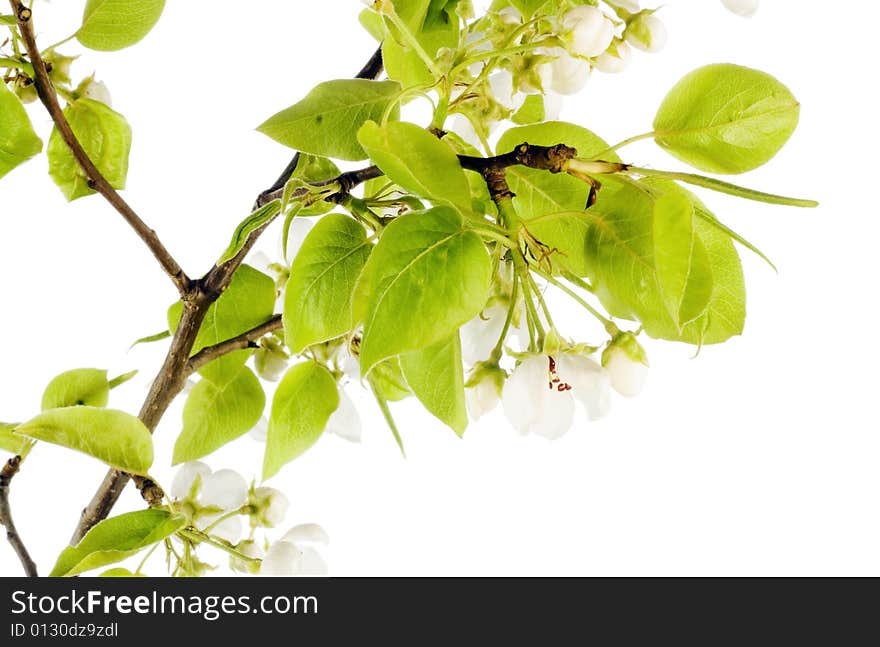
627	364
270	506
270	359
482	392
97	91
189	479
631	6
745	8
248	548
646	32
59	67
345	421
570	74
615	59
224	489
590	31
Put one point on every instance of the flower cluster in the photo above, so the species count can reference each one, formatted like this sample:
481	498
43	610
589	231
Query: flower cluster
215	504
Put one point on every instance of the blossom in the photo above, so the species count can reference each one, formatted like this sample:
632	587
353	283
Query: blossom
295	553
248	548
570	74
631	6
480	335
615	59
590	383
627	365
97	91
533	403
590	31
270	506
345	421
743	8
646	32
229	529
189	479
483	390
224	489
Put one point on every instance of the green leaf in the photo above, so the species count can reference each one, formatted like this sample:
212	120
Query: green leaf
436	376
317	300
115	437
259	218
434	24
18	141
110	25
82	386
327	120
417	161
539	192
622	264
372	22
217	414
684	274
725	118
248	302
9	441
116	539
427	276
388	382
564	235
303	402
120	572
104	135
528	7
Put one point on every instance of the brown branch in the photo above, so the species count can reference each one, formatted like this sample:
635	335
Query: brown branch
97	181
243	341
9	470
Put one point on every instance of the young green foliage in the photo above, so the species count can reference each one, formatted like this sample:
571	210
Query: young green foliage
317	300
116	539
115	437
109	25
216	414
436	376
726	118
18	141
9	441
303	402
432	24
104	135
82	386
428	275
327	120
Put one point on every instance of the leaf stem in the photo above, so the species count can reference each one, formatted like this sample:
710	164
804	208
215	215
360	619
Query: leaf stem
625	142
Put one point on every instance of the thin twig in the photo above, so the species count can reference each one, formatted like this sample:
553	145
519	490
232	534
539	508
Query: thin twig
9	470
97	181
243	341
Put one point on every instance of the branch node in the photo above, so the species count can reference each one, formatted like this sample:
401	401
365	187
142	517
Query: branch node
23	13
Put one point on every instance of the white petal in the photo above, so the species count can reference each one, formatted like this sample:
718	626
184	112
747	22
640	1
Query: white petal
615	60
743	8
481	398
552	107
307	533
590	384
282	559
261	430
591	31
627	376
532	405
299	229
570	74
480	334
311	564
463	127
224	489
649	35
229	529
97	91
272	505
186	476
345	421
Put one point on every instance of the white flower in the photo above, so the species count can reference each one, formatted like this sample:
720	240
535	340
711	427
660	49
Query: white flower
482	398
533	403
552	107
228	530
627	364
270	360
590	383
260	430
270	506
743	8
185	479
97	91
224	489
570	74
501	84
591	31
248	548
480	334
299	229
646	32
345	421
628	5
309	533
463	127
615	59
293	555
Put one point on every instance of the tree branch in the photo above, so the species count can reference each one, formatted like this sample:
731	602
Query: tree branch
97	181
9	470
241	342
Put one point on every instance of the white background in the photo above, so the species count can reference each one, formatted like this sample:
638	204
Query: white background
759	457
